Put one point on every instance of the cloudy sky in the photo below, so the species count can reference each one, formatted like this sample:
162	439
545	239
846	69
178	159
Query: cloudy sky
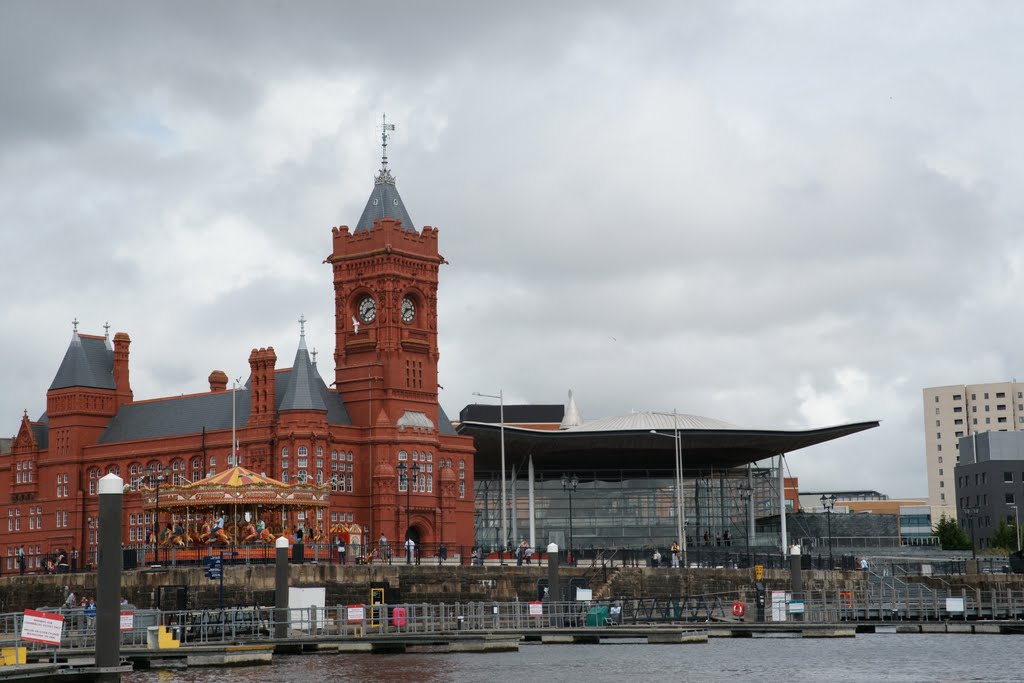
783	215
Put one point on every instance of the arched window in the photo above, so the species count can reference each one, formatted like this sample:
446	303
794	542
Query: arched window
178	470
319	451
94	475
302	451
284	452
114	469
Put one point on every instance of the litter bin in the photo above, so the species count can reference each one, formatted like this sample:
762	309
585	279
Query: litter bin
153	637
458	623
597	616
298	553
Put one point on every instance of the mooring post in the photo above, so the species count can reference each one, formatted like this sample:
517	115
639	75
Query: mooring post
796	580
281	589
554	592
108	578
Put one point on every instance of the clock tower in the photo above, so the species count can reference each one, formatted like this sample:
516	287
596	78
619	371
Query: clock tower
385	367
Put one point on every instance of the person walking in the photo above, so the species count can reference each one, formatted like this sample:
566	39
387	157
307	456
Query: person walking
442	553
341	550
21	560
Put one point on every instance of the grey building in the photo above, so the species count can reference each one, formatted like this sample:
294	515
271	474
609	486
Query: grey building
989	482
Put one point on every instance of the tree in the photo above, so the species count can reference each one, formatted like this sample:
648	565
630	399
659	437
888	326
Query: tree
1005	537
950	535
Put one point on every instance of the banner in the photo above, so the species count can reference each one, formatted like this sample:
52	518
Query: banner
42	627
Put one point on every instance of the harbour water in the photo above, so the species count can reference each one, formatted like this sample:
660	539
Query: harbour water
900	658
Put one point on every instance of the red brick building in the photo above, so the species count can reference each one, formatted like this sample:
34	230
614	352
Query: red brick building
379	411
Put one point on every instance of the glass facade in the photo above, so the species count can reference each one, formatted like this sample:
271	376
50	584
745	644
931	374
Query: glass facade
623	508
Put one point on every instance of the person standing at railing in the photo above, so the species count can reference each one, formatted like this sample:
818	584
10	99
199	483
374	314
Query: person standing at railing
675	554
442	553
341	550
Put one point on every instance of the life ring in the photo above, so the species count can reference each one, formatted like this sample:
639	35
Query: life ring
739	608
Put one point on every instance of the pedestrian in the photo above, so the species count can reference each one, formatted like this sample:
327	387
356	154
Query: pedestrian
863	564
521	553
90	612
675	554
341	550
727	538
475	557
21	560
442	553
69	602
74	560
410	549
528	553
656	558
382	544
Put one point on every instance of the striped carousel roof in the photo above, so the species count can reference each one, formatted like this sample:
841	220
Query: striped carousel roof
238	486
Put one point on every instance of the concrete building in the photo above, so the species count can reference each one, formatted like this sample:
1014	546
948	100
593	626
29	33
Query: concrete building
989	483
959	410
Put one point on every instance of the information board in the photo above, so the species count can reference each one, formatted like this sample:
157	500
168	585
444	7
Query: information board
536	609
355	614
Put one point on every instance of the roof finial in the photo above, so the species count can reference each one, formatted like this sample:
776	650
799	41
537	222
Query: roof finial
302	325
314	355
106	330
74	324
385	175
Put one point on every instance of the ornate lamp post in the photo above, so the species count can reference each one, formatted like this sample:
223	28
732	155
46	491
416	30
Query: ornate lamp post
829	502
404	479
154	475
569	484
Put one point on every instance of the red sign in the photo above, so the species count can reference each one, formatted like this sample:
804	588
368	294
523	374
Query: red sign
42	627
355	614
536	609
127	621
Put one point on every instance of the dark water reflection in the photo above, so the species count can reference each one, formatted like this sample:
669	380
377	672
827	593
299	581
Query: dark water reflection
879	657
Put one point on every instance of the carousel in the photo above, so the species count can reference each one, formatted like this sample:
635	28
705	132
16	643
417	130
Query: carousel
238	507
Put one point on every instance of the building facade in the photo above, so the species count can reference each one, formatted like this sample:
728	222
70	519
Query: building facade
989	483
959	410
377	437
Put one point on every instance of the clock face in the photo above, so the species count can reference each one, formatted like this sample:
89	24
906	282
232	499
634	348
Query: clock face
367	309
408	310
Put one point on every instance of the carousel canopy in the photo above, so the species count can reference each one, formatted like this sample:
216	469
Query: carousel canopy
237	486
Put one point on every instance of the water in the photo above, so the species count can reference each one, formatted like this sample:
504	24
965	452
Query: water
901	658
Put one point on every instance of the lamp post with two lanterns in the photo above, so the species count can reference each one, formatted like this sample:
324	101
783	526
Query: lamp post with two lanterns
154	475
404	477
569	484
828	502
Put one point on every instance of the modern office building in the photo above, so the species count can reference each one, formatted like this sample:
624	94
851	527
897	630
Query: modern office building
989	483
959	410
611	482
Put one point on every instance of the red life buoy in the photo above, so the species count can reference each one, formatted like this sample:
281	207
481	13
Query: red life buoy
739	608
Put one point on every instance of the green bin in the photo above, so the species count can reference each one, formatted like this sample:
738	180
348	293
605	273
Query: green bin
597	615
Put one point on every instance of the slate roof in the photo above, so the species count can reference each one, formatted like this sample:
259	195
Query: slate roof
88	362
190	414
302	392
42	434
384	202
444	425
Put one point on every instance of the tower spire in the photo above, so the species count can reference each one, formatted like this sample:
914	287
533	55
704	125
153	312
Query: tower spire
385	174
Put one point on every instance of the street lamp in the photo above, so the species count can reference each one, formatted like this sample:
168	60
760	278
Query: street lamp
971	513
403	478
829	502
569	483
746	492
680	495
155	475
504	502
1016	527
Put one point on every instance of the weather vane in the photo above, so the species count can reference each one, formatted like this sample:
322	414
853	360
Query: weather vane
385	175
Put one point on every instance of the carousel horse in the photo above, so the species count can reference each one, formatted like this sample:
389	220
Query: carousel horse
248	533
318	535
165	536
267	536
204	532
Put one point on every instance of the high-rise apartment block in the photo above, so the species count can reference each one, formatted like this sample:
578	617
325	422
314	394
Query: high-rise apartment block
959	410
